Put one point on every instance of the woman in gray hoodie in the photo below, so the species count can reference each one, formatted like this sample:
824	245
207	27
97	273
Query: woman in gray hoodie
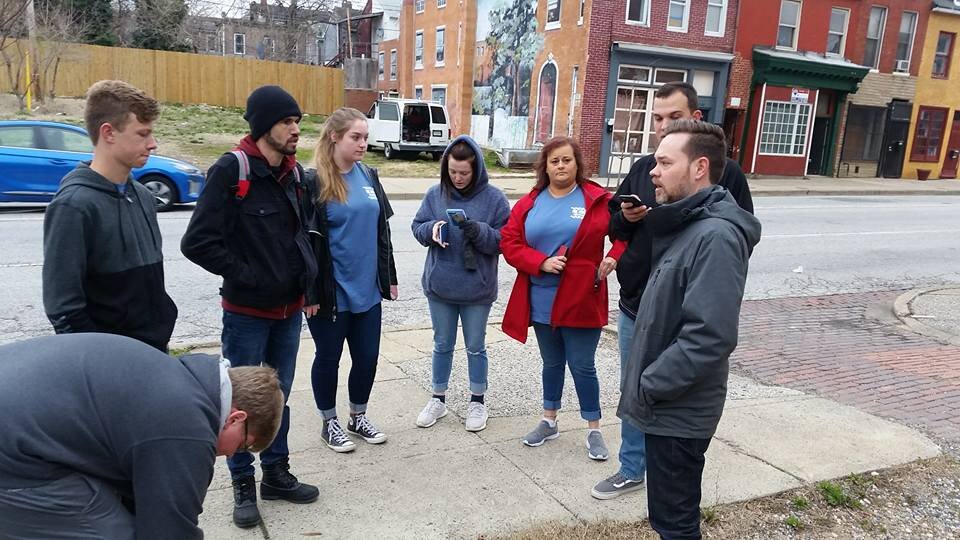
459	221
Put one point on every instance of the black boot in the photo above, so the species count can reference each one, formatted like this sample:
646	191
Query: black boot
278	483
245	511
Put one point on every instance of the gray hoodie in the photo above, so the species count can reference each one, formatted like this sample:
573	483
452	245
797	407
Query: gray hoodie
675	382
103	262
445	277
113	408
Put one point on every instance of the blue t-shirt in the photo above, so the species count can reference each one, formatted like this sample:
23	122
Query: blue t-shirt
552	222
353	244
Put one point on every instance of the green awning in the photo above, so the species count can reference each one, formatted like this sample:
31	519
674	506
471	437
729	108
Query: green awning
806	69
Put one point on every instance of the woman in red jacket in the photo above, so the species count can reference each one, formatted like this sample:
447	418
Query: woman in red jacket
555	239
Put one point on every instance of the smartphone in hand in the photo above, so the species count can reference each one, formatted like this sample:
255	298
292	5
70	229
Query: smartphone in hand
630	199
456	215
443	234
561	251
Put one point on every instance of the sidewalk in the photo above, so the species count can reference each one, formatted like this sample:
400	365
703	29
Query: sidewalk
444	482
933	312
517	185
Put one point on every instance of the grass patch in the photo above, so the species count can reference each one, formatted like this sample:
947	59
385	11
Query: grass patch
794	523
800	502
834	495
180	351
709	515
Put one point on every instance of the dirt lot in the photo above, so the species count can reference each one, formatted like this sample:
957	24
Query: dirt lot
915	501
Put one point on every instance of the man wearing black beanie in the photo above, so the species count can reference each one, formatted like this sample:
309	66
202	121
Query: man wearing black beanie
248	228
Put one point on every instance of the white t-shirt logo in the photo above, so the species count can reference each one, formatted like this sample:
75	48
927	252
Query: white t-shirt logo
578	212
371	194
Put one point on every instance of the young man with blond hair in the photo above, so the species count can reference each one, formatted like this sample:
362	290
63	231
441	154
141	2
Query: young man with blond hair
106	437
102	251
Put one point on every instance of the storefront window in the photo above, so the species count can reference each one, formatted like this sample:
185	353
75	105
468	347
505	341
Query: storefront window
929	134
863	136
784	131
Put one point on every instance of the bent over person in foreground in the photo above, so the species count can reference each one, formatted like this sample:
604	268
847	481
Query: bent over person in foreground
675	382
106	437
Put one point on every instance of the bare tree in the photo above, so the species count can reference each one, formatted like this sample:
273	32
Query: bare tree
13	31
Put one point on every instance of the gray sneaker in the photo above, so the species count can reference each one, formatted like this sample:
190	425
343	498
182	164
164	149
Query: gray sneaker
543	432
614	487
335	437
596	449
476	416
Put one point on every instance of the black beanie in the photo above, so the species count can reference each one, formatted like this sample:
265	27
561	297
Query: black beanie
268	105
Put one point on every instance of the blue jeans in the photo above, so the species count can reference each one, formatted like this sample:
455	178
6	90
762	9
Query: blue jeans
254	341
577	348
474	319
362	334
633	449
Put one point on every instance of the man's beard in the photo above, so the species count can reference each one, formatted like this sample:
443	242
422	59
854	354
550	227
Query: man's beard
285	149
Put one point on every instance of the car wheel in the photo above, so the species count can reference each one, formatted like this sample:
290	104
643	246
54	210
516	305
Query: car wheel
437	156
163	190
389	152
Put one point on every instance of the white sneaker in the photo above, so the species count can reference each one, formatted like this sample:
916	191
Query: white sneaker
434	411
476	416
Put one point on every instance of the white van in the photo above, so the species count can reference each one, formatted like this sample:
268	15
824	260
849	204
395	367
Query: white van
408	126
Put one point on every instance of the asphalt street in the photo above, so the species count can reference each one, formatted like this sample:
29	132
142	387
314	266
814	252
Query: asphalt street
811	246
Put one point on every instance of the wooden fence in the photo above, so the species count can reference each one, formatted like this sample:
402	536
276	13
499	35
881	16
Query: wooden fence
192	78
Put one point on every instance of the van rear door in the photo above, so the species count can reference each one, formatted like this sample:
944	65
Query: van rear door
385	124
439	127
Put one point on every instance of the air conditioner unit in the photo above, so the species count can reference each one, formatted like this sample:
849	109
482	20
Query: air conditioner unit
903	66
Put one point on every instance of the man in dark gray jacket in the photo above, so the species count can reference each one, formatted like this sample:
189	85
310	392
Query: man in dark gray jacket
675	382
105	437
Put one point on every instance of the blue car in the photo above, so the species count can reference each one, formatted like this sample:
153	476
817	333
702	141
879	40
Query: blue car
35	156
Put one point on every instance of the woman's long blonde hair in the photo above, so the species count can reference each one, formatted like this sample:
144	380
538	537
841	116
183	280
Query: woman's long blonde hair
330	184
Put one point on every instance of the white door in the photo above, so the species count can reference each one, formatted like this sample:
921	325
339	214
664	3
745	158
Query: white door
385	124
633	134
439	126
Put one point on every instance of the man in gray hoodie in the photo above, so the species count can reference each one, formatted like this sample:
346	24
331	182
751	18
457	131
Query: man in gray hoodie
102	256
105	437
675	382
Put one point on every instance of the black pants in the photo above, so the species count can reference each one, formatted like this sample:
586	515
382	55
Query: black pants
362	334
674	473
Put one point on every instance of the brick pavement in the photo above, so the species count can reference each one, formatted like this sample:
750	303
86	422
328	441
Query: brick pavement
827	345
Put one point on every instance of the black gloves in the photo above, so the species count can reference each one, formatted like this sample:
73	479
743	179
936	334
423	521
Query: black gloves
471	230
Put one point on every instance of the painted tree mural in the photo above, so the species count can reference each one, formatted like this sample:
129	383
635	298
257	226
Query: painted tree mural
513	41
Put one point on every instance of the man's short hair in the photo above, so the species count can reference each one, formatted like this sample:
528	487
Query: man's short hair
110	102
706	140
685	88
256	391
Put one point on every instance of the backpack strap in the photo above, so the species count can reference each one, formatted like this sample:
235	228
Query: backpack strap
242	186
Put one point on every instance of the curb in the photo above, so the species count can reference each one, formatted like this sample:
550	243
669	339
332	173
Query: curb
515	195
903	310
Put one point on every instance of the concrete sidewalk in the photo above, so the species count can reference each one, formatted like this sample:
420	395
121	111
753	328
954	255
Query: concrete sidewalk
444	482
933	312
517	185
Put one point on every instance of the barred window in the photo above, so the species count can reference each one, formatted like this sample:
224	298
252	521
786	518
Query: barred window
784	130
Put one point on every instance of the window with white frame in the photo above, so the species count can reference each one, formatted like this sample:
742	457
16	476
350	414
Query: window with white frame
638	12
678	15
837	33
439	94
418	50
440	45
789	24
418	92
875	24
582	7
553	14
664	76
380	66
908	27
784	130
419	5
716	18
393	64
441	4
239	44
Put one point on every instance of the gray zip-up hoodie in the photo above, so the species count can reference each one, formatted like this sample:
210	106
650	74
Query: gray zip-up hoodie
445	277
103	262
113	408
675	382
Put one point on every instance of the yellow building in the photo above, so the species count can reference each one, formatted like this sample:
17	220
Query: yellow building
933	147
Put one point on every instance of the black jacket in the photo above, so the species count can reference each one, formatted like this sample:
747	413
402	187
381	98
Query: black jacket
675	381
258	244
633	268
103	261
323	290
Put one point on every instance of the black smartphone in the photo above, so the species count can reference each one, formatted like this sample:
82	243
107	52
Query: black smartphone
630	199
443	233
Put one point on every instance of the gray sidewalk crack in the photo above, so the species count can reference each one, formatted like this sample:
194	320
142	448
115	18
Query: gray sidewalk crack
738	449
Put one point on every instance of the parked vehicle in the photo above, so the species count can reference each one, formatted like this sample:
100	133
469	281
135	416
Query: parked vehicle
407	127
35	156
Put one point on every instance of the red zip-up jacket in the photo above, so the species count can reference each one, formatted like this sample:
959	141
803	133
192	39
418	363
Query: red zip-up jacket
577	304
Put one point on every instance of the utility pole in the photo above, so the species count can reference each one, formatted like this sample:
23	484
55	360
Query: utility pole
31	51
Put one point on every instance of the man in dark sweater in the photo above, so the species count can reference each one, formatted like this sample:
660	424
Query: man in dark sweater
105	437
102	256
248	228
672	101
